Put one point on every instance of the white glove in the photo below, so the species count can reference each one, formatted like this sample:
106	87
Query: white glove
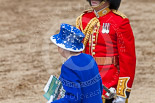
112	93
119	100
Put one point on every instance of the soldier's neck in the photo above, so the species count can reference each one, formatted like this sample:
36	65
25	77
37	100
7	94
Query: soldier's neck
105	5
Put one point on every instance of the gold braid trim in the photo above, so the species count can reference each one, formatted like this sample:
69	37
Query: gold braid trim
88	29
98	27
79	22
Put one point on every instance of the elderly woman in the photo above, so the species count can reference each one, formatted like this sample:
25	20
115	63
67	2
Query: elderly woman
79	73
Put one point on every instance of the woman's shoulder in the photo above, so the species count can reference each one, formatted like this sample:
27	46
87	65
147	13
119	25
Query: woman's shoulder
79	61
82	57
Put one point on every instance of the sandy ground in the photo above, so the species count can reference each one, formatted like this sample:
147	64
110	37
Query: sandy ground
27	58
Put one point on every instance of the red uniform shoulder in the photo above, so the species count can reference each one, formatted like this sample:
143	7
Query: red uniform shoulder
117	17
86	18
88	14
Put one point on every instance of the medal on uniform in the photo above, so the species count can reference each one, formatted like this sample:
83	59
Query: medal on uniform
106	28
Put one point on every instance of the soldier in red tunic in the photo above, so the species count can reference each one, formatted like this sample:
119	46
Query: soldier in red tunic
109	39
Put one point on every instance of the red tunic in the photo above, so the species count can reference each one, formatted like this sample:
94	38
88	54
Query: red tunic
118	41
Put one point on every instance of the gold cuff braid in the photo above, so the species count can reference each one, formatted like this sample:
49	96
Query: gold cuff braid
122	87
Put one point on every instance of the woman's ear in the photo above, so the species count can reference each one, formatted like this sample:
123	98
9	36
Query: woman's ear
60	50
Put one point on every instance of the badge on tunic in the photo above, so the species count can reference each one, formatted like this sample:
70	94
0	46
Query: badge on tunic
106	28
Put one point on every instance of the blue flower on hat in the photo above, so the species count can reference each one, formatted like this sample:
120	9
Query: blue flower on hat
69	38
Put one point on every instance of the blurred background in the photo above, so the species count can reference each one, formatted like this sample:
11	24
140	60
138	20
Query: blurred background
28	58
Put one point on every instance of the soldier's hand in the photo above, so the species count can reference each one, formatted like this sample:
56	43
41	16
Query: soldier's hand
119	100
112	93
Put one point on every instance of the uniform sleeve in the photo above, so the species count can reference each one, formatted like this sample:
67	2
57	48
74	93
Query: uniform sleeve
70	81
127	58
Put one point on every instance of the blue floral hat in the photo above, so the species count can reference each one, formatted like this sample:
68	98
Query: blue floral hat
69	38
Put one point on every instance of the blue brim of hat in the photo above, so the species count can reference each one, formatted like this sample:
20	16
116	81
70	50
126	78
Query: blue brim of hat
61	45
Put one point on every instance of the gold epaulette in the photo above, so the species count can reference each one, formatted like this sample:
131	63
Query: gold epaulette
88	11
119	13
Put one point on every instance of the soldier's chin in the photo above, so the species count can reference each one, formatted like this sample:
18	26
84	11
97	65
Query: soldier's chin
94	5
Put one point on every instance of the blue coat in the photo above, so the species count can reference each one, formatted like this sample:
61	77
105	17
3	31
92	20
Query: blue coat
81	80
